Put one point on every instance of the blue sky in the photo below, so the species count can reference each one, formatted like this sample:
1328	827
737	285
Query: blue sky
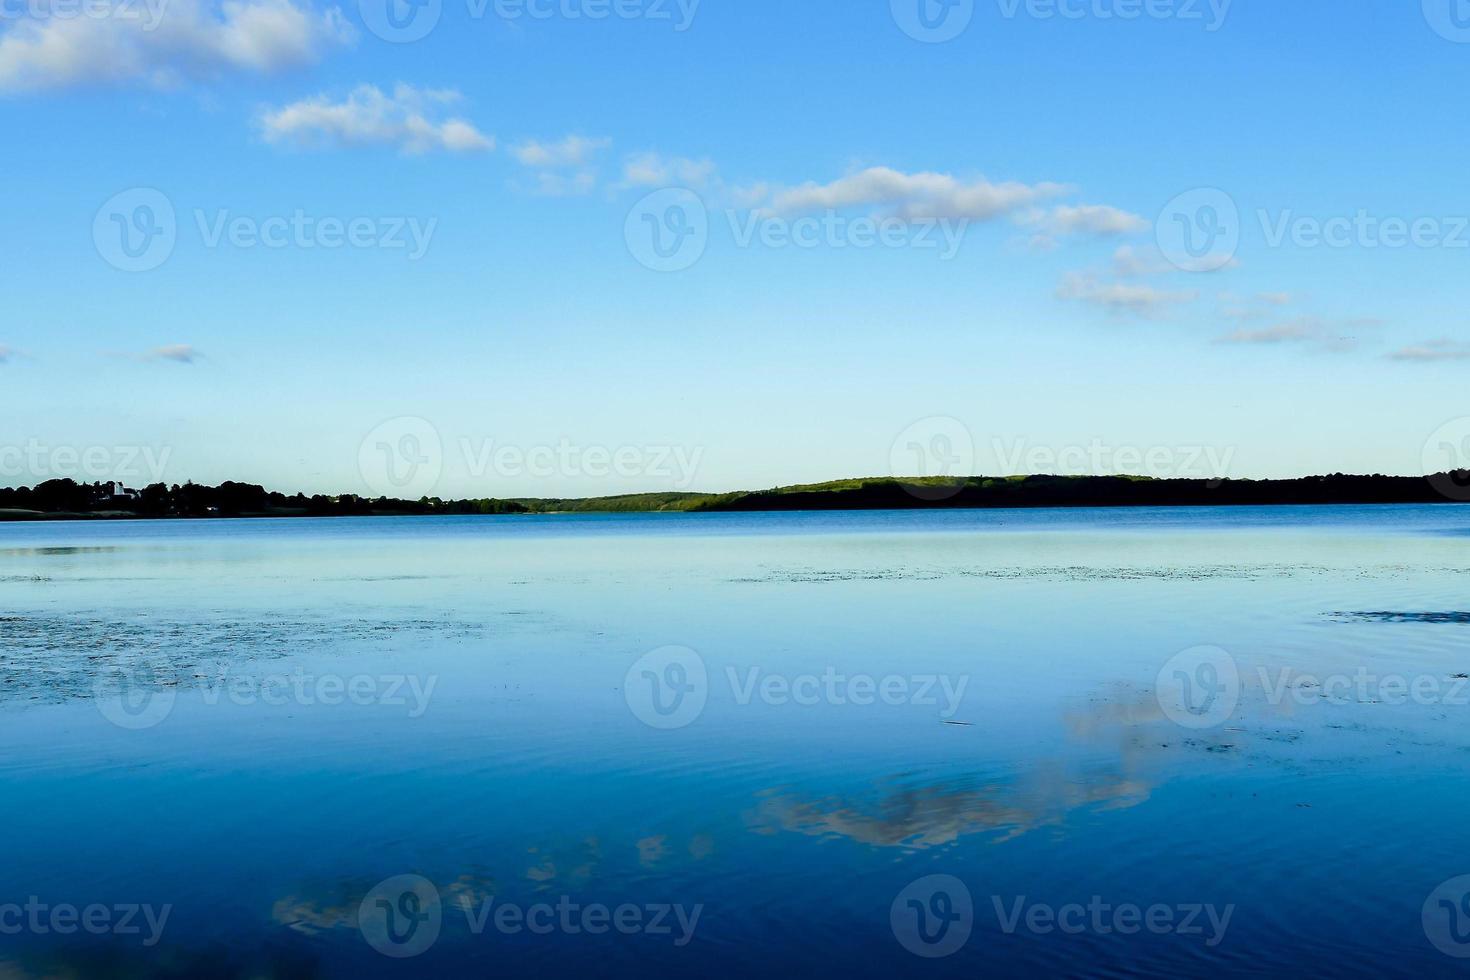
1062	334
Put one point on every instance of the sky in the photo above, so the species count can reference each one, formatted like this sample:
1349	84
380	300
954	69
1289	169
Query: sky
577	247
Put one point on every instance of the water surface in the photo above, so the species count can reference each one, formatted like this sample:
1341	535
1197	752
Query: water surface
785	724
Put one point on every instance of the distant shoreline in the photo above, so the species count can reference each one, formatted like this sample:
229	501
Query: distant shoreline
67	500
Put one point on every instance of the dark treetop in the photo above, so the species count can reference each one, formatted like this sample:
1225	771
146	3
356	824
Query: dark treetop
56	499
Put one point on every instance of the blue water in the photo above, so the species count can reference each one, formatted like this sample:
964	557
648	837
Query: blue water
578	717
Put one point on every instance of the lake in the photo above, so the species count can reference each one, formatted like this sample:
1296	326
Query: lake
1144	742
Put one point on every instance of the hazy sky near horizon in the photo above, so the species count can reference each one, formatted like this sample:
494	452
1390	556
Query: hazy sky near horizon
572	247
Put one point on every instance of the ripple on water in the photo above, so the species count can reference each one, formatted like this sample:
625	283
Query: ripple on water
1438	618
51	659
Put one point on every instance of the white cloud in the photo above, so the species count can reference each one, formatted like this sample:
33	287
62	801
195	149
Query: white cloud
1131	263
1092	219
368	117
656	170
560	185
179	353
915	196
161	44
6	353
1259	307
749	196
572	151
1442	349
919	196
1323	334
1292	331
1120	298
575	154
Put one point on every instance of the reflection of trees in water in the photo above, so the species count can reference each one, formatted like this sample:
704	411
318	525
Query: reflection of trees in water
564	867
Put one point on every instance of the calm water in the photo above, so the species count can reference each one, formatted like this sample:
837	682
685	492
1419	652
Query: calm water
1167	742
